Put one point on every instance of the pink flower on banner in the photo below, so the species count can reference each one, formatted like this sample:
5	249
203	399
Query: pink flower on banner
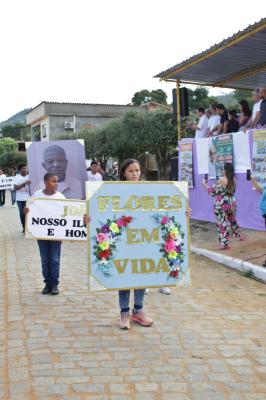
169	246
101	237
120	223
219	197
164	220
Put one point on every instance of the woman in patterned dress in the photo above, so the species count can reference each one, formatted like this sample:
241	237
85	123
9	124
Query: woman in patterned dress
225	206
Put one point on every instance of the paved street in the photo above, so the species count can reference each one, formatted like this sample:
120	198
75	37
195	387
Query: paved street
208	341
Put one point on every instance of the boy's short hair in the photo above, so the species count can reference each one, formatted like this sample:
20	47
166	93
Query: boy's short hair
48	176
94	163
201	109
21	166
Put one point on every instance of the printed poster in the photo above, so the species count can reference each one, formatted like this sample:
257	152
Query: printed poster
259	156
138	236
222	153
56	219
186	160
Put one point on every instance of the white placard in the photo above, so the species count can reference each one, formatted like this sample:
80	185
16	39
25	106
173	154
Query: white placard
202	146
7	183
242	160
56	219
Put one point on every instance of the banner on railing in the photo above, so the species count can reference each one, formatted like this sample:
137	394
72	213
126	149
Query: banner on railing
186	160
259	156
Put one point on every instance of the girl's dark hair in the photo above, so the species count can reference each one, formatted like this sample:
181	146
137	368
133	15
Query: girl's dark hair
230	175
233	113
245	108
124	166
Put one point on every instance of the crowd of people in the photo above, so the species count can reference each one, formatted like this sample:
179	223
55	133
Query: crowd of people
218	119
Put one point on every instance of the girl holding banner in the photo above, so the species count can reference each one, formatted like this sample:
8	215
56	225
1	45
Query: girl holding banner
130	171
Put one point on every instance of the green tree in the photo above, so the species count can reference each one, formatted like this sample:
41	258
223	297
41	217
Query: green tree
159	96
17	131
139	97
162	138
241	94
12	159
200	98
7	145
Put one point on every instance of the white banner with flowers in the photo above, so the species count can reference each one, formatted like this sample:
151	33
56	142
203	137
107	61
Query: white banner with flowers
138	236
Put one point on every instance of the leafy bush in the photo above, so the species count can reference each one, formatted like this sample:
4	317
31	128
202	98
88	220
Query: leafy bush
12	159
7	144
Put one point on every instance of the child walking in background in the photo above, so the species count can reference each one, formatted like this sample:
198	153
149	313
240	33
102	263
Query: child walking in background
225	206
262	205
130	171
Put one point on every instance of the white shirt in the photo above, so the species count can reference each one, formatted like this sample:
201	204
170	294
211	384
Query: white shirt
70	187
213	121
24	193
40	195
203	127
94	177
256	108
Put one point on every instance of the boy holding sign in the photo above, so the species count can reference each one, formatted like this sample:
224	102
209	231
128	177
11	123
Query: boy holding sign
50	250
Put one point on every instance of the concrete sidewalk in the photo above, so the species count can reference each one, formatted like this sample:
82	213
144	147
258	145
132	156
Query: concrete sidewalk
249	254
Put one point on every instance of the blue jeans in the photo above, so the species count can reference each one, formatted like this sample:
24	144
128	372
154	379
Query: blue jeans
124	296
21	205
13	196
50	256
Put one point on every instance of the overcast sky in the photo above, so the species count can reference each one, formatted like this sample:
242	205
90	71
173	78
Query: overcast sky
103	51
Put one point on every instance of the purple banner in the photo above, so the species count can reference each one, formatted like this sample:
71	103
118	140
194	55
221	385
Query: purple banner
248	214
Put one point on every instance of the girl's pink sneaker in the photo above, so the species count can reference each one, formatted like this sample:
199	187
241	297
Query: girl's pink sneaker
141	319
242	237
227	247
125	321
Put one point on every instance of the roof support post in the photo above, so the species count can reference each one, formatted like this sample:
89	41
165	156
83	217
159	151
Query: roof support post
178	110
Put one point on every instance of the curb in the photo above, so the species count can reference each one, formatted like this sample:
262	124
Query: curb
235	263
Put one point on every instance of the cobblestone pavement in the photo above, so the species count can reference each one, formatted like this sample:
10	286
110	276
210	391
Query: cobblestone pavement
208	340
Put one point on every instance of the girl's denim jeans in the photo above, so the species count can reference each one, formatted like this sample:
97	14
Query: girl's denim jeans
124	296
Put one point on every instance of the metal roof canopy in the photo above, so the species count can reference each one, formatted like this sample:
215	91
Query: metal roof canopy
238	62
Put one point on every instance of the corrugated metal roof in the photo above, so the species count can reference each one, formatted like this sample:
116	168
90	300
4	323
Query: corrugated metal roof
83	104
236	62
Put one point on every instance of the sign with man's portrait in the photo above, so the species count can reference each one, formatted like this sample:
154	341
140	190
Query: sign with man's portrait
64	158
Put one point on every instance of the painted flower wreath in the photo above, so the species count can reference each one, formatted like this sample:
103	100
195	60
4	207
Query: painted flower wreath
173	243
106	238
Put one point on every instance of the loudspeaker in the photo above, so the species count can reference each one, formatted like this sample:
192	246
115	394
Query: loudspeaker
174	115
184	104
173	169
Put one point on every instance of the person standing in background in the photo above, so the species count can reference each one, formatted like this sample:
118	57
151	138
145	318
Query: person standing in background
93	174
13	191
213	121
22	188
201	127
262	119
2	192
245	116
223	113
